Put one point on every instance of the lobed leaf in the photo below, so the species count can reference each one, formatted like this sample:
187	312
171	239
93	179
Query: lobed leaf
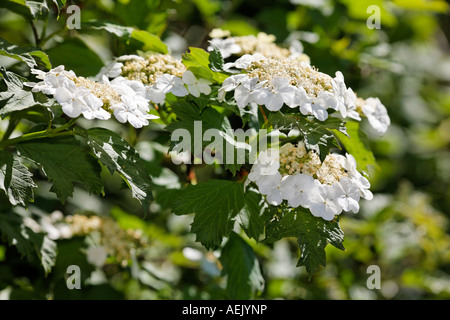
15	180
312	233
215	204
241	267
64	161
118	155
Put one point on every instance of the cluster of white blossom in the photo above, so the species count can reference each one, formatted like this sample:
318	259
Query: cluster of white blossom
159	74
125	99
262	43
325	188
277	82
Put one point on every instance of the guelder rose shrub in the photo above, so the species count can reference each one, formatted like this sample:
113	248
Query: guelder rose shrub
298	186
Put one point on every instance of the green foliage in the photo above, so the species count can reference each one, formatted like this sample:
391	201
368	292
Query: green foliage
31	56
26	241
188	113
15	180
242	269
215	204
149	41
312	233
64	162
68	54
317	135
198	61
17	97
357	144
26	8
216	60
117	155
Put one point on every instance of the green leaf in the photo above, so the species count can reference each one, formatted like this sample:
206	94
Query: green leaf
242	269
317	134
59	5
312	233
15	180
149	41
64	161
25	8
215	204
188	113
357	144
216	60
30	55
16	97
197	60
117	155
75	55
26	241
254	214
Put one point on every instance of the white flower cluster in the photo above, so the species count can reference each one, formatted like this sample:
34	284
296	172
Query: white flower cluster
124	98
296	84
165	82
326	188
180	87
262	43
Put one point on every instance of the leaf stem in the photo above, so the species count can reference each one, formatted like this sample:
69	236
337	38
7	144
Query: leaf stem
35	33
41	134
13	122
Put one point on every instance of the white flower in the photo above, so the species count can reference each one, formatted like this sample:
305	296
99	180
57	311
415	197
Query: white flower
111	70
347	194
268	163
349	163
297	190
132	110
125	112
323	203
230	84
70	97
49	84
170	83
249	91
341	93
94	108
314	109
96	256
281	92
326	100
270	186
350	100
154	95
377	115
244	62
227	47
196	86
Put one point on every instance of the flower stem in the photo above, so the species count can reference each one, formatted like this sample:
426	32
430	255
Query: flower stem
263	113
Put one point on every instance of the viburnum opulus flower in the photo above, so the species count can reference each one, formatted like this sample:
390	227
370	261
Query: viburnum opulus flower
160	74
299	177
278	82
95	99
